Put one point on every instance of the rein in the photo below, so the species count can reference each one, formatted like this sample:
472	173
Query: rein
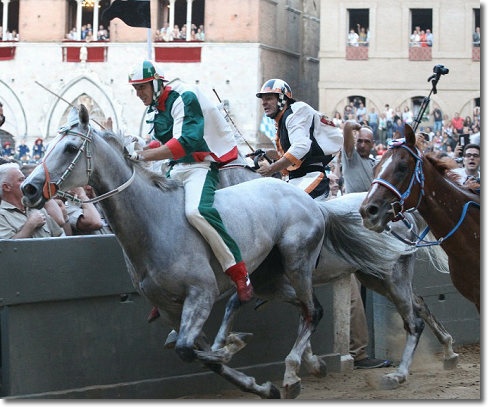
417	177
52	189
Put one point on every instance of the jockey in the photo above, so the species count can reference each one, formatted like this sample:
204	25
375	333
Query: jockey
297	151
193	133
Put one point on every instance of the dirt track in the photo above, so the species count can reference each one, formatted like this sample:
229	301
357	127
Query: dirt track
427	381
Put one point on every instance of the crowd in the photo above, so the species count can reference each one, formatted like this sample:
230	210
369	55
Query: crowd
87	34
444	136
167	34
421	38
359	38
23	153
9	35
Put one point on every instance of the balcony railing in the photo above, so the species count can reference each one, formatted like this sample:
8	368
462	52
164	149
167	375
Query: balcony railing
476	53
357	53
420	53
76	51
7	50
183	52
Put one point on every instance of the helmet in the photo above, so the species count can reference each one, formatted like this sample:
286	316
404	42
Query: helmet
275	86
146	71
278	86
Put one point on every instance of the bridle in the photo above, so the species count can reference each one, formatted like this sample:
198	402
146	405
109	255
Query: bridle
417	177
52	189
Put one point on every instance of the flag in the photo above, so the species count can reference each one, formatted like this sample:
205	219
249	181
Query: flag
267	126
136	13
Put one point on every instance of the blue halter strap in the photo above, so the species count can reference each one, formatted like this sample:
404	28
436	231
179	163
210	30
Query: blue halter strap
417	176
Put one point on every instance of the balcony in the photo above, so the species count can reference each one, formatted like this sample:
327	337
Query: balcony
476	54
7	50
420	53
77	51
357	53
182	52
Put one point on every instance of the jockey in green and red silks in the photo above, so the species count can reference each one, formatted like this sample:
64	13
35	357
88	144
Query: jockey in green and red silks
194	134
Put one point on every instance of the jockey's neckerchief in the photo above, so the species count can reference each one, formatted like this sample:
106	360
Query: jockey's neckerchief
158	105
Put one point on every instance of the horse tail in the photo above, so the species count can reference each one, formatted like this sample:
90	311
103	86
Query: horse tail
435	254
368	251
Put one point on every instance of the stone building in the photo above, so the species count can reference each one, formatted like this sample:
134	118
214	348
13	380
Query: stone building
389	68
246	43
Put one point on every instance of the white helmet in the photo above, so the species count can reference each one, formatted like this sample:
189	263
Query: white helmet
146	71
279	87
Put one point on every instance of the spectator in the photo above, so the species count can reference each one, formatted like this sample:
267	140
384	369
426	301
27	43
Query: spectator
399	126
183	33
361	112
22	150
358	175
468	124
477	37
415	39
389	120
333	186
423	39
83	218
437	119
55	209
353	38
176	32
337	120
38	148
8	151
199	36
382	129
16	221
363	37
102	34
471	165
373	121
423	142
429	36
458	122
89	36
407	116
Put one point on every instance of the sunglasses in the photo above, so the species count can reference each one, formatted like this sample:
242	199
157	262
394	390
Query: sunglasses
472	156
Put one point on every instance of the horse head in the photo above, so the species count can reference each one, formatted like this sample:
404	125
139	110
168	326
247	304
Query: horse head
398	184
66	164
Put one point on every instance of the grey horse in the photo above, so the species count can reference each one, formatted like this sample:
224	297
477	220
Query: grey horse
172	266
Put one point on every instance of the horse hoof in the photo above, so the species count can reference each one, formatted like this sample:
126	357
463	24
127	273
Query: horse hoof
186	354
452	362
274	392
389	382
321	370
292	391
171	340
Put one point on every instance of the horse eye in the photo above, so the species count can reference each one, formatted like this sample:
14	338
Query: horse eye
71	149
402	167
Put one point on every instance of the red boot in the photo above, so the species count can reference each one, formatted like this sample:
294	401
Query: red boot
153	315
239	276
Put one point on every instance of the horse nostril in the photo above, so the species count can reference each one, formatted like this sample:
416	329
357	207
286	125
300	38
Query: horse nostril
29	190
372	210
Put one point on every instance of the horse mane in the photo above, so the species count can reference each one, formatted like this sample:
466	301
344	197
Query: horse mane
117	141
444	166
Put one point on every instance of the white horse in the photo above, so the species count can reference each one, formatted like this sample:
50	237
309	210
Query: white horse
278	228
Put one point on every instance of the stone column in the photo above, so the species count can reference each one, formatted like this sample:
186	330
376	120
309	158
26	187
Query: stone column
79	11
341	321
95	20
189	4
5	19
171	15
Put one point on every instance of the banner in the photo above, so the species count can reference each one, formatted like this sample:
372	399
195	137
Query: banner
135	13
267	126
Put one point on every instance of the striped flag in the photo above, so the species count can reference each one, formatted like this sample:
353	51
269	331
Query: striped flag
267	127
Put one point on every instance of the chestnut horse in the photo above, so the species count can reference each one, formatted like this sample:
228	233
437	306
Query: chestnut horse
407	180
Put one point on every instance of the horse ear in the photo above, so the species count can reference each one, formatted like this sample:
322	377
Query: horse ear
72	115
84	117
409	136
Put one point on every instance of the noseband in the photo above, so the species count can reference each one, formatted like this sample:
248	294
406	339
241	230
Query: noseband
52	189
417	177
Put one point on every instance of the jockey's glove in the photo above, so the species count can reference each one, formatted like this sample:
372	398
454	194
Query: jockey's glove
136	156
